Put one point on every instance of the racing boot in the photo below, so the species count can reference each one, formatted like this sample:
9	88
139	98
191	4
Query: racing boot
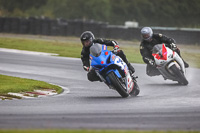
131	68
123	56
179	53
185	63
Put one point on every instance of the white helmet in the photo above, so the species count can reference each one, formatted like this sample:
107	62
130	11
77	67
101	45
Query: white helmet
146	33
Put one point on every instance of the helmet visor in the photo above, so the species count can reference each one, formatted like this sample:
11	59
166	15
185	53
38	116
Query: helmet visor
146	36
86	43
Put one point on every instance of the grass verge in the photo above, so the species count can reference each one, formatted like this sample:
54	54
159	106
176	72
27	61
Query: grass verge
71	47
16	85
67	49
90	131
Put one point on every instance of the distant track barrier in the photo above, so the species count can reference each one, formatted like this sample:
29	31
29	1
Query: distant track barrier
64	27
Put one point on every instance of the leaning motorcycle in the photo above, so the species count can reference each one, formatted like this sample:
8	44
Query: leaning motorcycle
113	71
169	64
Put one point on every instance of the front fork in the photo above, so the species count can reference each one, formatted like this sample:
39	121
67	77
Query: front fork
103	79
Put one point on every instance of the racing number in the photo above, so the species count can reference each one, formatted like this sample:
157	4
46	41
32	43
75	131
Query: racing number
119	62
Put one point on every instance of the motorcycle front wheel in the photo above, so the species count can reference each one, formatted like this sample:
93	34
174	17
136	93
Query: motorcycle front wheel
180	76
118	84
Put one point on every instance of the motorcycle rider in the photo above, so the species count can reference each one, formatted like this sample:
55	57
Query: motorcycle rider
87	39
149	40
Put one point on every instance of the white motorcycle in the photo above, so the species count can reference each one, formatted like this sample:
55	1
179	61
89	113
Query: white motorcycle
169	64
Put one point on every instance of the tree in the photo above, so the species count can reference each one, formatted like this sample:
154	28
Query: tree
175	13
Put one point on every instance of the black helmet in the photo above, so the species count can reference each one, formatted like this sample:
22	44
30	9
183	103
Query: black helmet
87	37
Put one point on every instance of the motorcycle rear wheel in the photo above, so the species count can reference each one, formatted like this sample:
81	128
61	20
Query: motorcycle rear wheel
118	85
180	76
136	90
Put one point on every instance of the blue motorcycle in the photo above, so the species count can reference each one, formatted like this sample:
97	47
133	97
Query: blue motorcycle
113	71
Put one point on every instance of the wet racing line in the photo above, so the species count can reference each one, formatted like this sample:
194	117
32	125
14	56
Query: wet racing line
161	104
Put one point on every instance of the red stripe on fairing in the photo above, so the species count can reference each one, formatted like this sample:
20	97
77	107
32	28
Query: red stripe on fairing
164	54
37	93
157	56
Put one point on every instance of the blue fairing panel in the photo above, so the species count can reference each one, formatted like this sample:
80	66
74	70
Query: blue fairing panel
115	71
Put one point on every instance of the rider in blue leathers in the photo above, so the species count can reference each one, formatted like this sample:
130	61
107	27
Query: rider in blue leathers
87	39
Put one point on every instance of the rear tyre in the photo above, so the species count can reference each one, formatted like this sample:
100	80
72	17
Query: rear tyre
136	89
179	75
118	85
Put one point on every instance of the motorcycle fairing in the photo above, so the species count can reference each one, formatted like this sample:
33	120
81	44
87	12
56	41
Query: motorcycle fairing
105	61
108	60
161	56
165	58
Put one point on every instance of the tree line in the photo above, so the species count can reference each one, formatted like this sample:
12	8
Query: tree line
166	13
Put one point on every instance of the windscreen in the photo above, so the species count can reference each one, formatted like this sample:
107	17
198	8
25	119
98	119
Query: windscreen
157	49
96	49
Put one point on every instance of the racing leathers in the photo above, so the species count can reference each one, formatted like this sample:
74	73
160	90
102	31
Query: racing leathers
86	61
146	48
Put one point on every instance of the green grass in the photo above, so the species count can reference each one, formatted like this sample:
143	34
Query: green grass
132	54
14	84
192	58
68	49
191	53
71	47
91	131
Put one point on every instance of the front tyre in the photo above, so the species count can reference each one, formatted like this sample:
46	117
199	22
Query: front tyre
179	75
118	85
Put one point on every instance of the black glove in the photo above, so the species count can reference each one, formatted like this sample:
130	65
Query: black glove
114	43
173	46
86	68
116	48
151	62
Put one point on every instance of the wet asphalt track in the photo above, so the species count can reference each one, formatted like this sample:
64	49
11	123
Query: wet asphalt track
161	105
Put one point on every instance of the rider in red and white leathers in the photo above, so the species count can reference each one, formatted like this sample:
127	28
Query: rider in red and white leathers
149	40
